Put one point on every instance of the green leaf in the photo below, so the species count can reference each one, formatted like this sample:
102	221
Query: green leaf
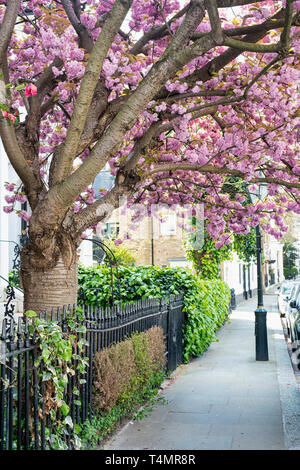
68	420
65	409
84	342
46	376
81	328
77	428
30	314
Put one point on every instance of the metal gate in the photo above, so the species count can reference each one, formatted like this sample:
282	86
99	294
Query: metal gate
175	333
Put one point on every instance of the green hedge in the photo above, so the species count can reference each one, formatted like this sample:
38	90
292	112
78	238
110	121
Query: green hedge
207	307
206	302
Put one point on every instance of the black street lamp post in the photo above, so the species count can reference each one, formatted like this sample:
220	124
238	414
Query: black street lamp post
261	335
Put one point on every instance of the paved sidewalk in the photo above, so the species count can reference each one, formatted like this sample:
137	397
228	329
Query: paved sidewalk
225	400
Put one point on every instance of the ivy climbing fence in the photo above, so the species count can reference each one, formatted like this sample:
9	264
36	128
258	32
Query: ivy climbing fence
36	405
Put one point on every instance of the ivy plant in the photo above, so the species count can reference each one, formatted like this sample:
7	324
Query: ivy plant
59	351
207	260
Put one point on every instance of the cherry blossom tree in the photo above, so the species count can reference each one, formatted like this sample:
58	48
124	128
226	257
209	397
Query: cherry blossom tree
181	99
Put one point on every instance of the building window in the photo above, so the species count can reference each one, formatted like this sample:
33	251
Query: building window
178	262
168	227
240	273
111	230
103	181
23	238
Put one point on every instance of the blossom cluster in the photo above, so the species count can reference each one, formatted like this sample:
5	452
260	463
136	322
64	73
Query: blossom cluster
249	137
17	196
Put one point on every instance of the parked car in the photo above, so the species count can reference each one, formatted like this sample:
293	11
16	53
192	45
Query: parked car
283	298
293	314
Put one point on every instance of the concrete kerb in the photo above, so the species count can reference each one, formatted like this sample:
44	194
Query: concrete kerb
289	388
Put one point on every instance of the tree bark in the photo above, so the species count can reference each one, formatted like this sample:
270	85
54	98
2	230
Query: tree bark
49	288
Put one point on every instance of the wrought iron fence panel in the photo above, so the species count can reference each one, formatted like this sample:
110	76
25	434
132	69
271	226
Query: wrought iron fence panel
25	397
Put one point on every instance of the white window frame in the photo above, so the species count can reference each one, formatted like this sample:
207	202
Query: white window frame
168	227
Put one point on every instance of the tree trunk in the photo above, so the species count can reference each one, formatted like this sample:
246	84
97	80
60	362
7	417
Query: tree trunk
50	288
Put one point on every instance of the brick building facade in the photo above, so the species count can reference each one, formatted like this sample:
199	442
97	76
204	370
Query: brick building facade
153	242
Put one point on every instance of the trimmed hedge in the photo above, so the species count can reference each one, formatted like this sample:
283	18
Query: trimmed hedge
206	302
127	375
122	371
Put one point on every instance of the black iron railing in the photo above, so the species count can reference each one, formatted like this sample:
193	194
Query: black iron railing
24	419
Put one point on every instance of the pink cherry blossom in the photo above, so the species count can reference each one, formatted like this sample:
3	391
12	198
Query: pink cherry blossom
10	187
30	90
21	198
10	199
24	215
8	209
9	116
258	134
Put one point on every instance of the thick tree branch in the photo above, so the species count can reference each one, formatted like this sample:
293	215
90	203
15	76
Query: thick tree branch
47	81
100	114
215	23
217	170
21	167
28	132
285	36
248	46
141	146
126	184
244	30
84	35
162	69
235	3
88	85
156	32
8	24
77	7
7	132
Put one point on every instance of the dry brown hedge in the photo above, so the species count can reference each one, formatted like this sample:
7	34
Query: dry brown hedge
126	365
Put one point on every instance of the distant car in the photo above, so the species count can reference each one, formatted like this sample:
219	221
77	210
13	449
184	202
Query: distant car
284	296
293	315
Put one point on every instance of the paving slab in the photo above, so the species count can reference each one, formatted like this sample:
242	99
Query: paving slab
225	399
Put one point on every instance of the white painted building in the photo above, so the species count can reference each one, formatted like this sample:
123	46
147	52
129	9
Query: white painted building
273	266
243	279
295	233
10	230
239	277
10	224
